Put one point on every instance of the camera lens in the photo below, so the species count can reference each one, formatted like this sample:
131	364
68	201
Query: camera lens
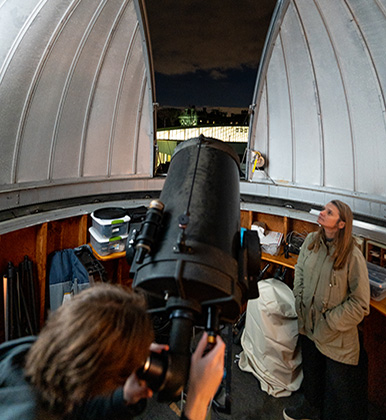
154	370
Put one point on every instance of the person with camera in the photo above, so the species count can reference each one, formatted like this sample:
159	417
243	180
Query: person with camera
83	364
332	295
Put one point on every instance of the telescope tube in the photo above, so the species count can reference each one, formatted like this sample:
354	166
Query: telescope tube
195	255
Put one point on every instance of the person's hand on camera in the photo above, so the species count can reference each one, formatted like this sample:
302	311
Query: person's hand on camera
136	389
206	373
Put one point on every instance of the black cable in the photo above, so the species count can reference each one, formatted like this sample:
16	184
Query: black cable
194	175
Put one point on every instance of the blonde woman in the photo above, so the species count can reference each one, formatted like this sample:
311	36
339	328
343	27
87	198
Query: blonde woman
332	293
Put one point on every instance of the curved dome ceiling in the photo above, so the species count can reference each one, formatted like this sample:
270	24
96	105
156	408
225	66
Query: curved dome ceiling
77	103
76	94
319	117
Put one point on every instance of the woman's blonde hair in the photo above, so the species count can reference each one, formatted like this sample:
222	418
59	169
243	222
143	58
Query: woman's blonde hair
344	242
89	346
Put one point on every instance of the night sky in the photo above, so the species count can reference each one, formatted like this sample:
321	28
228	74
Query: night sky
206	52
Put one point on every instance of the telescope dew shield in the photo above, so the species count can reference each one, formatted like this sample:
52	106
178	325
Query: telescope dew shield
195	254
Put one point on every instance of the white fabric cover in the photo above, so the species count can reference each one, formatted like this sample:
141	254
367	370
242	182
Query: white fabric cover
269	340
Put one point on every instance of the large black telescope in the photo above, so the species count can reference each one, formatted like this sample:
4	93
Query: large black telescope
189	257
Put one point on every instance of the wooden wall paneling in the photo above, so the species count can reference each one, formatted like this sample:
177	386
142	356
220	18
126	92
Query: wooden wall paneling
41	267
123	273
73	235
301	227
15	245
83	230
285	227
67	233
54	236
245	219
273	222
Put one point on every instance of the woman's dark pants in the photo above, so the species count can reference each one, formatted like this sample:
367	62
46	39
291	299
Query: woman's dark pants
337	389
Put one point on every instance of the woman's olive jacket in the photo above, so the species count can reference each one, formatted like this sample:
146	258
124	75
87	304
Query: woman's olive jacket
331	303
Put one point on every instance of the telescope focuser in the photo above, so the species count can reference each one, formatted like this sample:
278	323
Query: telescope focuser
145	239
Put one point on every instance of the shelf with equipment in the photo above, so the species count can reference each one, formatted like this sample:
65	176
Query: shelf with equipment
376	253
277	223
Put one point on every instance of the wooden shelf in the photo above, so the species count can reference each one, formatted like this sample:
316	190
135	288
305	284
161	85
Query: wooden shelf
379	305
280	259
280	224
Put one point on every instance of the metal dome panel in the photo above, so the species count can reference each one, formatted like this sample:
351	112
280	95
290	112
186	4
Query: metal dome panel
76	88
319	105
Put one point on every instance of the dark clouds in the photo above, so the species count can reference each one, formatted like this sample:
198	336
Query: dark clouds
199	42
